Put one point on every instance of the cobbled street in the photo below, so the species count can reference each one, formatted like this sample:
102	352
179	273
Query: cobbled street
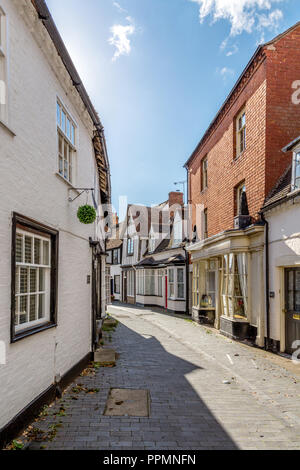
207	392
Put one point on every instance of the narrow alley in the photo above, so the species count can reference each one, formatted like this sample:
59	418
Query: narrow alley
206	392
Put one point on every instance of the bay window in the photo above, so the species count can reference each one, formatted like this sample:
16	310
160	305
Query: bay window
204	284
34	275
176	283
66	144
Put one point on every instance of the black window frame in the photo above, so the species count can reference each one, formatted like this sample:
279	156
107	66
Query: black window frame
30	224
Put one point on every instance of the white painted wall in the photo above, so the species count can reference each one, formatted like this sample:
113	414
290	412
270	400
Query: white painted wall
284	236
30	186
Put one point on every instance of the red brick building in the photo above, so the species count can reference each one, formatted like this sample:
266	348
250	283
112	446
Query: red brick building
230	173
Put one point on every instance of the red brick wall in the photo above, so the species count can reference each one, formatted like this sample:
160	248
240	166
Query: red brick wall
272	122
283	117
224	171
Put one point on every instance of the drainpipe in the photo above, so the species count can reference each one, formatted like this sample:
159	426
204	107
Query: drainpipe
267	279
187	258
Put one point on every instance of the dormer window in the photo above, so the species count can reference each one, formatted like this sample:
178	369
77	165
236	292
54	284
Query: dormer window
296	170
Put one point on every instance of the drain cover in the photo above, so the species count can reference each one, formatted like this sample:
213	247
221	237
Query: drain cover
126	402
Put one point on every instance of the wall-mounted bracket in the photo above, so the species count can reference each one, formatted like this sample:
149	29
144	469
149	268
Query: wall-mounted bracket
82	191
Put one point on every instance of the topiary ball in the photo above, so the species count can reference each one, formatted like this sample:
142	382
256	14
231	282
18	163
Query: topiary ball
86	214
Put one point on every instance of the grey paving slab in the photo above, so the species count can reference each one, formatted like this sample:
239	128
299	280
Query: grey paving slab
183	365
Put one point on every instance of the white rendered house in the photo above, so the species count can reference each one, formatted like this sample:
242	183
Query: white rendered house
52	271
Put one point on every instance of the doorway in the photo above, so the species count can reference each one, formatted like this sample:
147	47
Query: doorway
292	300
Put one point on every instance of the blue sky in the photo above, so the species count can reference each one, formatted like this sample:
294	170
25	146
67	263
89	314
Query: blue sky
157	71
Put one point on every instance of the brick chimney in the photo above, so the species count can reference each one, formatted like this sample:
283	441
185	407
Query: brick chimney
176	198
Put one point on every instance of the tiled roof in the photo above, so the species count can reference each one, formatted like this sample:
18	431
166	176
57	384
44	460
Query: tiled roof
113	244
281	189
151	262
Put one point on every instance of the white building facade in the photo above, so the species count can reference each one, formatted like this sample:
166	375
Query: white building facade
282	212
52	287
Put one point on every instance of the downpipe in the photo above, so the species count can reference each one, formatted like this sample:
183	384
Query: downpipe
267	281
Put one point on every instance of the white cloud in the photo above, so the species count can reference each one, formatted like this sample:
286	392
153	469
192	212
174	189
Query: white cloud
120	38
225	73
243	15
118	7
234	50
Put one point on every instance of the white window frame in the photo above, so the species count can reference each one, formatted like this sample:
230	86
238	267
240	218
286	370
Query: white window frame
296	164
28	293
173	283
241	132
66	152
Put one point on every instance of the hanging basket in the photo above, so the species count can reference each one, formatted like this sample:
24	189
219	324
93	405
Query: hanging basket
86	214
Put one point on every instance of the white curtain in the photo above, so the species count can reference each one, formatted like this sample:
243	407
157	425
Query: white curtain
242	270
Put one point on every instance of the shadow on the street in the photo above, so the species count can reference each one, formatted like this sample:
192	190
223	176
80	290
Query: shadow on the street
174	402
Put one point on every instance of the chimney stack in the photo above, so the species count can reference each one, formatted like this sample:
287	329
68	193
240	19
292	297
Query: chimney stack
176	198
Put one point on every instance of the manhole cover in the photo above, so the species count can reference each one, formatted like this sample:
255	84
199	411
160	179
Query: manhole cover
126	402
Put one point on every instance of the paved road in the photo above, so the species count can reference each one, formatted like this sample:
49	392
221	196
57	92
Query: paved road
184	365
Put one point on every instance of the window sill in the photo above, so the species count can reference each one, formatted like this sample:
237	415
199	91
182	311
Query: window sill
30	332
7	129
67	182
294	192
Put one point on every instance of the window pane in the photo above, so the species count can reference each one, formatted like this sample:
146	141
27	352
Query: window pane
181	291
37	251
63	121
19	248
23	309
41	306
58	114
28	249
180	275
33	280
41	280
23	280
73	135
60	144
68	128
60	168
17	281
32	304
46	257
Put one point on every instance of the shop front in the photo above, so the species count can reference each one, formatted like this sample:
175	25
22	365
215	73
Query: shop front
228	283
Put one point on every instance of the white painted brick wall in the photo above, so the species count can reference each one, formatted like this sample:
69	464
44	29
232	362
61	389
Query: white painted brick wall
29	185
